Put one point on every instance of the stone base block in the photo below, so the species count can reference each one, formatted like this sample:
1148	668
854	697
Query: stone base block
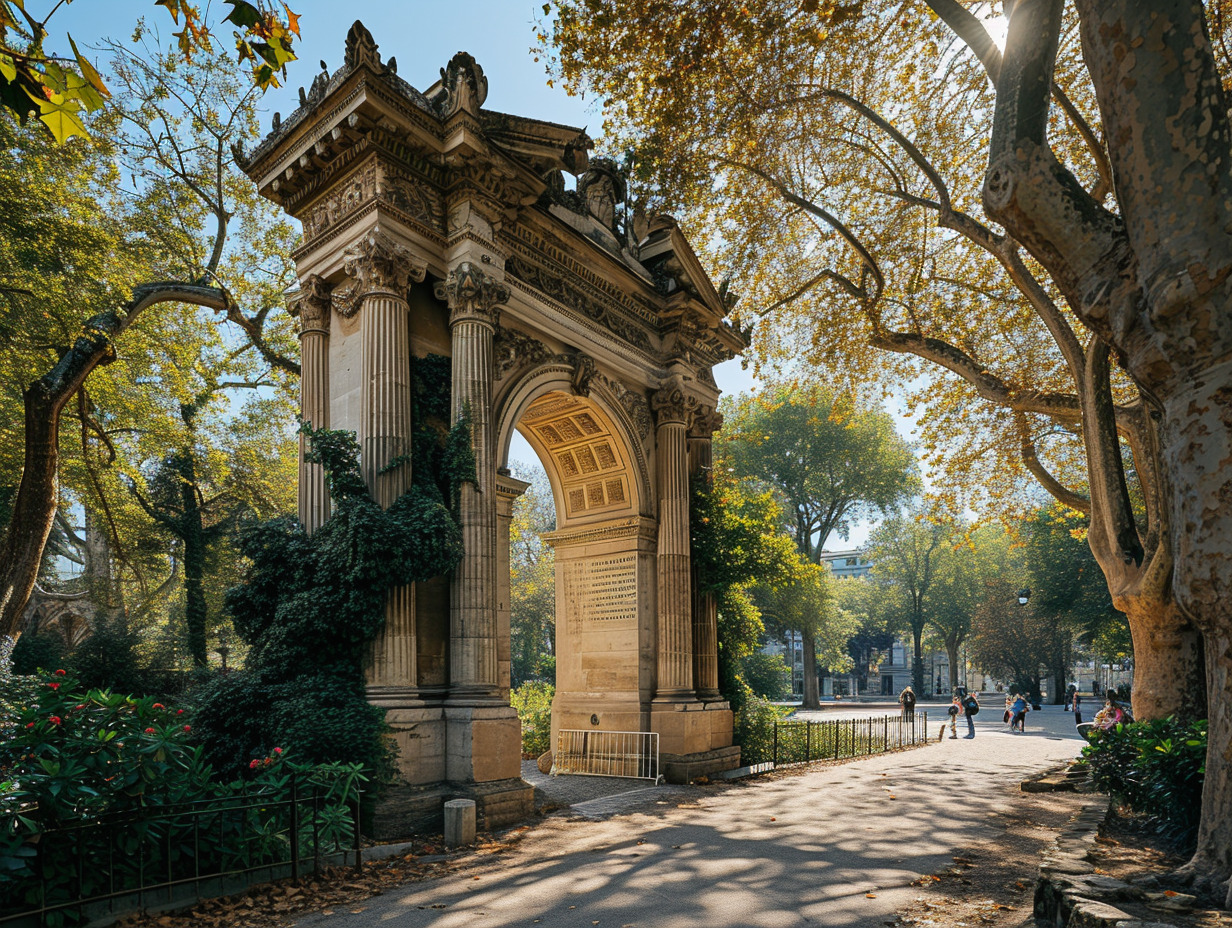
405	811
483	743
685	768
683	727
419	733
721	721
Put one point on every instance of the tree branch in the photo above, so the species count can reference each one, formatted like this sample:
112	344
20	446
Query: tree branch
1055	488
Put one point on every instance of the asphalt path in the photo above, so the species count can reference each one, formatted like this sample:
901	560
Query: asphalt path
836	846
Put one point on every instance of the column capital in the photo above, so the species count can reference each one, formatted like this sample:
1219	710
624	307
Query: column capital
706	421
472	294
673	404
379	264
314	305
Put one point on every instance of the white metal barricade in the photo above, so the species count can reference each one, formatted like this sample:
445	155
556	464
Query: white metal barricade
633	754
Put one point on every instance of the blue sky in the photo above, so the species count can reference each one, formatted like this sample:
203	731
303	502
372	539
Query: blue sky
423	36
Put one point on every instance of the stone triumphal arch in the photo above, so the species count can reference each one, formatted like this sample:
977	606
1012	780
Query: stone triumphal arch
435	226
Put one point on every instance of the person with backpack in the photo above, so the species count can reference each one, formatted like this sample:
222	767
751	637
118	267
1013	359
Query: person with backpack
971	707
906	699
1018	714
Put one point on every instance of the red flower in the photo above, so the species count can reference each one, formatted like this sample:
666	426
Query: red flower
59	673
29	724
149	731
54	686
253	765
56	720
188	728
159	705
179	711
277	750
81	706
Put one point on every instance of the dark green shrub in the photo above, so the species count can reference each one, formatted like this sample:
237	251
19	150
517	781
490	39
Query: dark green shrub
107	660
1156	768
40	651
767	675
533	700
754	730
310	606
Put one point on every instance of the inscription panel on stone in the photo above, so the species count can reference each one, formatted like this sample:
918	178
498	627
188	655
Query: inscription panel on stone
602	589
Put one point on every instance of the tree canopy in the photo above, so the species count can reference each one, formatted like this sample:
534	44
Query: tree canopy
61	89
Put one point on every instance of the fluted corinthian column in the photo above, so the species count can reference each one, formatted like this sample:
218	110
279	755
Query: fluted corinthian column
383	270
473	298
314	311
705	607
673	408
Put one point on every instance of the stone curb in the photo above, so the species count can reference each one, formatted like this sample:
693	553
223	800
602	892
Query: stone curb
1070	894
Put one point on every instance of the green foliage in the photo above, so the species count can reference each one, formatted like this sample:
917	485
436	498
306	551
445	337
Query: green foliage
310	606
1156	768
70	756
107	659
39	651
532	583
828	457
60	90
754	730
767	675
533	700
736	541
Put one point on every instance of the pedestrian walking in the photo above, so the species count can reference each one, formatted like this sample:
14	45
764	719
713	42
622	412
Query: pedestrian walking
971	706
1076	702
906	699
1018	714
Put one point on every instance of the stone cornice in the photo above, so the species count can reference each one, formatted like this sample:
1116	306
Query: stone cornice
636	527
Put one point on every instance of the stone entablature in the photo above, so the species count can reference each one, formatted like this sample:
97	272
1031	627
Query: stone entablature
435	227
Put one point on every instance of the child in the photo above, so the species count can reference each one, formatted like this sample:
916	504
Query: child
1019	712
953	710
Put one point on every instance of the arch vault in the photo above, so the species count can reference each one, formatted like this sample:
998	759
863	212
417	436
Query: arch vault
435	226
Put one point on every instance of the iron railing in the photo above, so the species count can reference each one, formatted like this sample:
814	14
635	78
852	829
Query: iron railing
173	856
806	742
633	754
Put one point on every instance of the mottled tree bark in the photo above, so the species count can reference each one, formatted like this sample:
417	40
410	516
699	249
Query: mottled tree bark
812	695
1153	280
34	508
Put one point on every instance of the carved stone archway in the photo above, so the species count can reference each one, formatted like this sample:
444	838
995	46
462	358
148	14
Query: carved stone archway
433	226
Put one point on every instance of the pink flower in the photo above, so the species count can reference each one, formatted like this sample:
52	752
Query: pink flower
277	750
188	728
56	720
253	765
149	731
179	711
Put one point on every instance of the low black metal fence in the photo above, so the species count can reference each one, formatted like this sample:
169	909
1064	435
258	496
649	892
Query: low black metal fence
806	742
172	856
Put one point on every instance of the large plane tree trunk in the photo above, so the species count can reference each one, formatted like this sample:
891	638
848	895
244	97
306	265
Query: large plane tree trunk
34	508
1153	280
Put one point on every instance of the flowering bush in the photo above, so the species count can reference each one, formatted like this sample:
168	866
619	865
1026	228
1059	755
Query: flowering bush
69	758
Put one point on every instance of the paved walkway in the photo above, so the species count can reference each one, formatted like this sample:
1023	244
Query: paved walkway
836	846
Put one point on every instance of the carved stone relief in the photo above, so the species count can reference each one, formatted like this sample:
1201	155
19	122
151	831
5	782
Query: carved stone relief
412	197
378	264
672	403
314	304
633	403
515	350
573	297
470	293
